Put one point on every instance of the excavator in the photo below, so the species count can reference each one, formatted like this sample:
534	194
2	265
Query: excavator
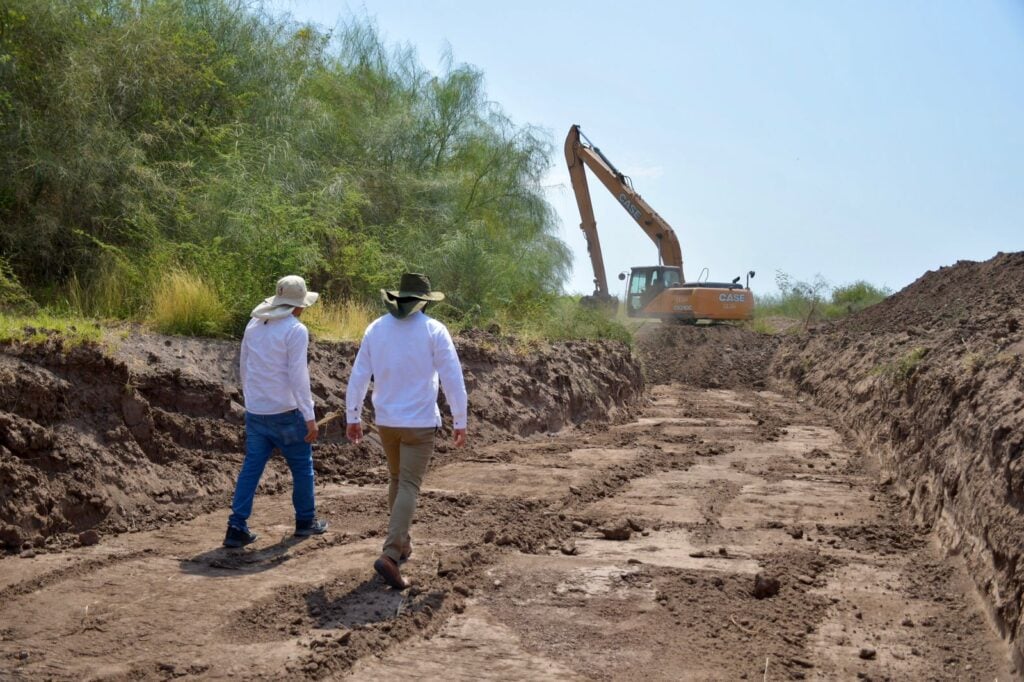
655	291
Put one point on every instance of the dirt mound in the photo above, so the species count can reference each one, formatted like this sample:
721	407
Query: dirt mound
152	432
932	379
976	298
716	356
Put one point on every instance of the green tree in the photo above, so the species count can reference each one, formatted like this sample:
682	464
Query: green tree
141	137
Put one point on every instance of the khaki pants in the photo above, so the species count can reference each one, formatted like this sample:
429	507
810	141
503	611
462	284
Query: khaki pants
408	451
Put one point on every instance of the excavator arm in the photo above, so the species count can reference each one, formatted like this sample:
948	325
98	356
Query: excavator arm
579	152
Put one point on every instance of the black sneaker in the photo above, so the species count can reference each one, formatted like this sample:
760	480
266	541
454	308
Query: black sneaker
239	537
311	527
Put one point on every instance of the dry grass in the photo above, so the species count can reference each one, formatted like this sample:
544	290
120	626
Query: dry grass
185	303
343	321
111	292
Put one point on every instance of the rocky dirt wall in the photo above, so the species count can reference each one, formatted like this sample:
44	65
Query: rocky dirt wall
932	379
93	439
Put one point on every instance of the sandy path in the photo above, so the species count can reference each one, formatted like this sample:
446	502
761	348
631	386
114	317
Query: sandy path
517	582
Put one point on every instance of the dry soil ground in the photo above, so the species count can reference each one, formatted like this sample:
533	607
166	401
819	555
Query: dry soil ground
590	531
517	581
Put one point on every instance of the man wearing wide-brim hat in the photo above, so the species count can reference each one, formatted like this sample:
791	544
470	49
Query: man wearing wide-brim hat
278	407
408	354
412	296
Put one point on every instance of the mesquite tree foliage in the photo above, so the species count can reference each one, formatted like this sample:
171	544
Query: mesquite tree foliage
140	136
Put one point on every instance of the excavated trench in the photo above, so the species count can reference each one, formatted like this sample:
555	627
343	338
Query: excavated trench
594	529
932	381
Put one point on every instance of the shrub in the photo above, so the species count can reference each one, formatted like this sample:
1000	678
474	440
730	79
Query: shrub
796	299
811	301
566	318
853	297
13	297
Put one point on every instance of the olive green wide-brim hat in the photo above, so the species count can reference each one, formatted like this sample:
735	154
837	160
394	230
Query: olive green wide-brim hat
413	294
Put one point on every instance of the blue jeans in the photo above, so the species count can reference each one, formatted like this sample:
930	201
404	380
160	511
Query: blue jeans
263	433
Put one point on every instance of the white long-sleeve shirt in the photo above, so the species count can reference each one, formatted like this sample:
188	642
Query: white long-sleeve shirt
274	369
407	358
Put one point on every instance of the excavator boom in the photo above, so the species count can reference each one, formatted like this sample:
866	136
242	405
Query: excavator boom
579	152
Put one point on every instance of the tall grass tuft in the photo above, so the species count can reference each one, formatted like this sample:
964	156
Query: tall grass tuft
113	290
186	303
344	321
13	297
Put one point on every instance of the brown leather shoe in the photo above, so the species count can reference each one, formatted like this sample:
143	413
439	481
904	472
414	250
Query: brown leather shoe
388	570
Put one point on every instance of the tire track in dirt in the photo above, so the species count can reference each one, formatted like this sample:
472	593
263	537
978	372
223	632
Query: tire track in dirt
769	488
495	526
72	572
473	531
515	578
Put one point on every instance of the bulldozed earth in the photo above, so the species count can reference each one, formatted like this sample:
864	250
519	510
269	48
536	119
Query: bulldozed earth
718	504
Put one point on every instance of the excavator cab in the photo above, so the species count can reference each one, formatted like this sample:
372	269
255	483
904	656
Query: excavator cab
658	291
645	283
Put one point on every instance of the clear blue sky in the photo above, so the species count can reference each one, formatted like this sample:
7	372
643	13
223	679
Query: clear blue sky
860	140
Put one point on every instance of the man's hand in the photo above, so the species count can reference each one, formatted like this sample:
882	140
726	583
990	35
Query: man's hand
312	431
354	432
460	437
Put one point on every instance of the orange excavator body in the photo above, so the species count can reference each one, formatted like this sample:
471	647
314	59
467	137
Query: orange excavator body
658	291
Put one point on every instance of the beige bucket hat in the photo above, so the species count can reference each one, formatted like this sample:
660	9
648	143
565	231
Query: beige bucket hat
290	294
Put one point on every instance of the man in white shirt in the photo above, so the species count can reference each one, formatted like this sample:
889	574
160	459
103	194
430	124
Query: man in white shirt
407	354
278	407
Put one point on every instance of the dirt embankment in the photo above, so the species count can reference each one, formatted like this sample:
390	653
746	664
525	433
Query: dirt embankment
92	439
932	379
718	356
